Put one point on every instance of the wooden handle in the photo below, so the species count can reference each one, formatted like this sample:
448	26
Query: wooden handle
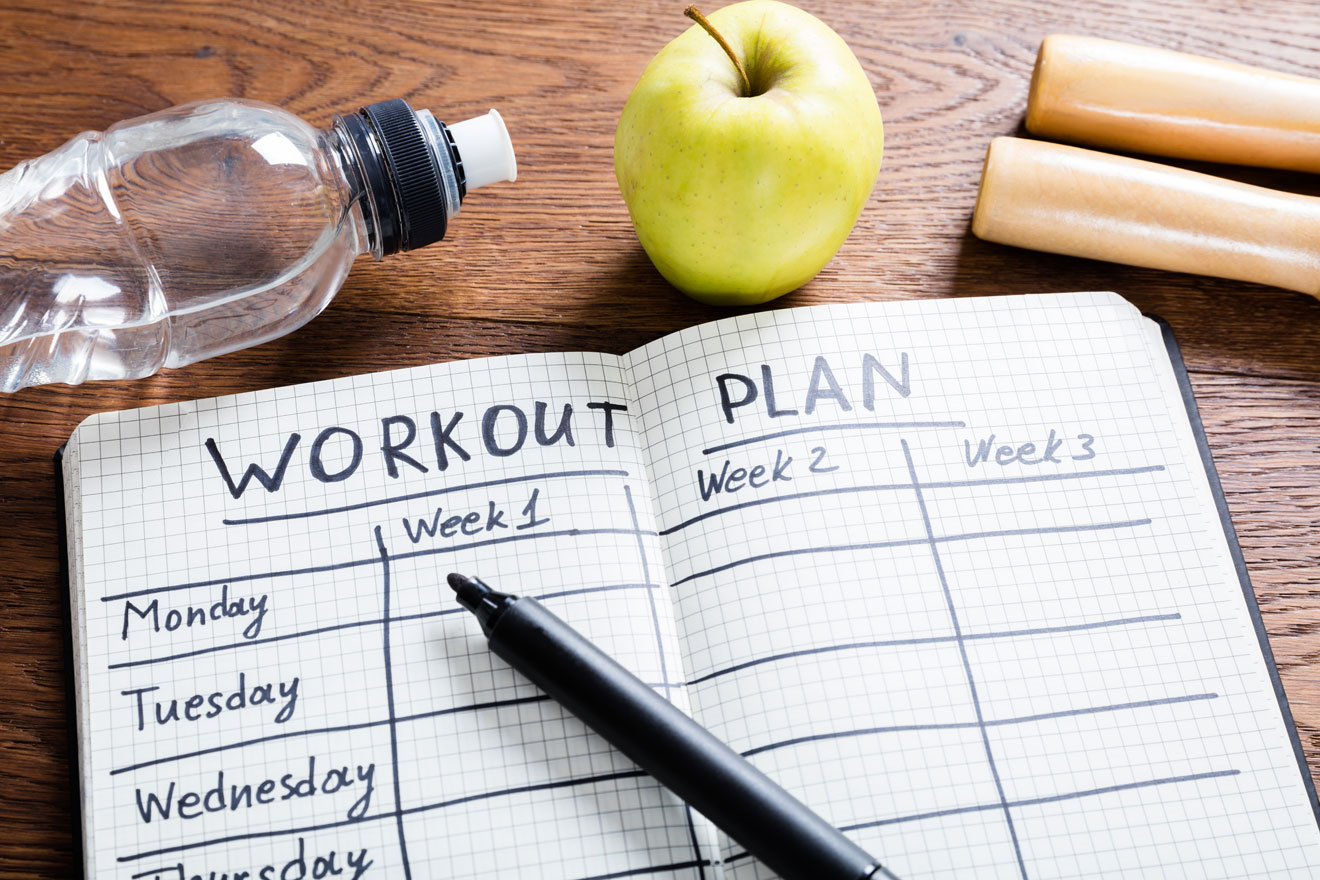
1067	200
1109	94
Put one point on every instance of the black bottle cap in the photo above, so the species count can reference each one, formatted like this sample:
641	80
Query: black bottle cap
411	205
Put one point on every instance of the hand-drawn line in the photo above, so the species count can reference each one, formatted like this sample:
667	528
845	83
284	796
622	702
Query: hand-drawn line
660	649
632	872
932	640
882	487
389	697
915	542
981	808
696	844
485	484
358	563
654	869
339	728
1042	478
650	594
389	814
1047	530
856	426
1048	799
361	725
442	612
779	554
975	725
962	650
159	873
527	789
776	499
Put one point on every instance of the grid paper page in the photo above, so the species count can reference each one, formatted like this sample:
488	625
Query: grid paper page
952	573
280	683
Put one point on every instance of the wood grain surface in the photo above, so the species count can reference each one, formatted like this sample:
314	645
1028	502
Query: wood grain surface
551	263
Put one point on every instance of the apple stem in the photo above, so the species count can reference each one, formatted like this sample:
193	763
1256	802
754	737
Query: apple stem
694	13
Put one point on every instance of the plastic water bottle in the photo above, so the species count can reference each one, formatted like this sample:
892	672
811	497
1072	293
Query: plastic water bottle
214	226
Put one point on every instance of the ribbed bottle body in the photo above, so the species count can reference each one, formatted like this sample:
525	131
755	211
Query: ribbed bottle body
170	238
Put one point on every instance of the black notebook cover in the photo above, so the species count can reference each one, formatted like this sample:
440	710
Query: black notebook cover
1194	416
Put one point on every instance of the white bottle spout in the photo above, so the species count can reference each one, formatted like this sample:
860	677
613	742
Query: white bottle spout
484	146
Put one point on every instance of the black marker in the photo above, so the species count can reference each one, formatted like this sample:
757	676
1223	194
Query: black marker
718	782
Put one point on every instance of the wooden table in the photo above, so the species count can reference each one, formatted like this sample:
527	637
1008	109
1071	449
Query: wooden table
551	263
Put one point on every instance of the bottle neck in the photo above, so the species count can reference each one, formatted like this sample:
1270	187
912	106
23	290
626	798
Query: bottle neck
358	205
441	142
401	170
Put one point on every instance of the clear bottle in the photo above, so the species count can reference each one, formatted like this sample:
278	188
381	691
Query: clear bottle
213	226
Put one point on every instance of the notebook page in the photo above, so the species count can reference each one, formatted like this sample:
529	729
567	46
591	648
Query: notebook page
280	683
970	598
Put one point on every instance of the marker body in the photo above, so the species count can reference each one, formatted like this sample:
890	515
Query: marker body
714	779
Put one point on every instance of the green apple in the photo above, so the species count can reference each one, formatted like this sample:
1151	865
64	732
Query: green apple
741	193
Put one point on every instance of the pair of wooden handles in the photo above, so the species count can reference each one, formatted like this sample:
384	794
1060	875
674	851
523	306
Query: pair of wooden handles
1068	200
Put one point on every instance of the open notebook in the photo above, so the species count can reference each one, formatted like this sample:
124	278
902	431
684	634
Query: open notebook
955	572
